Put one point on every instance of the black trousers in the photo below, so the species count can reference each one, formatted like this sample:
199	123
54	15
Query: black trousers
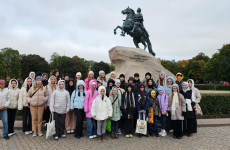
169	122
188	124
194	126
11	119
80	114
59	123
177	126
46	114
135	117
128	125
26	119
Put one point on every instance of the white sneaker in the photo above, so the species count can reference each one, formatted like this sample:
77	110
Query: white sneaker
131	135
164	133
27	132
56	137
72	131
11	134
68	132
30	132
91	137
40	134
63	136
161	132
127	136
95	136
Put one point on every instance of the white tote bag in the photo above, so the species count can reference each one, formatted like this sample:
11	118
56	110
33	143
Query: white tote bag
141	124
50	127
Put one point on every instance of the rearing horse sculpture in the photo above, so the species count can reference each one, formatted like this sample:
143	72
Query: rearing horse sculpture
135	29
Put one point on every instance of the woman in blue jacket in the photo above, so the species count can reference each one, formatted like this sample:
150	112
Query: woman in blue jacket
77	104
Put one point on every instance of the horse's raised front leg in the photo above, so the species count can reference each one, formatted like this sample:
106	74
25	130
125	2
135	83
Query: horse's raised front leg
118	27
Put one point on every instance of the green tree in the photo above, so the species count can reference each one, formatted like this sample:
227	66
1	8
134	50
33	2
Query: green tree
211	68
34	63
10	63
224	63
100	66
194	70
68	65
172	66
201	56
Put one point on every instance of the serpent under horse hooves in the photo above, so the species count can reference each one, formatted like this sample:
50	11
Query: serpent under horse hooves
133	26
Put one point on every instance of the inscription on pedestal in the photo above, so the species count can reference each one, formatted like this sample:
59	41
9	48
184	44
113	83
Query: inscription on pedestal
138	58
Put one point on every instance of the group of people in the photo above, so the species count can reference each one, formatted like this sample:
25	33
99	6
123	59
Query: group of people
168	100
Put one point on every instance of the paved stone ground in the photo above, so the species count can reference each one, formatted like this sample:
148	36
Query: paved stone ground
207	138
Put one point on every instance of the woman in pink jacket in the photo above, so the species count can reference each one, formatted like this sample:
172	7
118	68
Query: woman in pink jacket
90	96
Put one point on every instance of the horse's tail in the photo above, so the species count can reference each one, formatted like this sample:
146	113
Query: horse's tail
150	47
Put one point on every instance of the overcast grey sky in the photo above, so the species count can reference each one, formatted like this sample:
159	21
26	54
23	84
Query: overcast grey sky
179	29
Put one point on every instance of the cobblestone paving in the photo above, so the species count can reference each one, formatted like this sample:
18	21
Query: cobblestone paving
213	138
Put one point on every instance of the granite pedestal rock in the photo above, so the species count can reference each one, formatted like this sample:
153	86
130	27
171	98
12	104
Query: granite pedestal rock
134	60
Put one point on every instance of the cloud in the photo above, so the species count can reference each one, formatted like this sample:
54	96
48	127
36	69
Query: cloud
178	29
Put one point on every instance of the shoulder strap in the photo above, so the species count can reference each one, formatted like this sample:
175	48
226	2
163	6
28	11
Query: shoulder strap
115	100
34	92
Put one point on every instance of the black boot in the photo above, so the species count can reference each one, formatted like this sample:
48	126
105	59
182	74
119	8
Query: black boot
116	135
103	139
156	133
112	135
99	138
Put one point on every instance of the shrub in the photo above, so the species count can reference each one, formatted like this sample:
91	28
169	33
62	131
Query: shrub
213	104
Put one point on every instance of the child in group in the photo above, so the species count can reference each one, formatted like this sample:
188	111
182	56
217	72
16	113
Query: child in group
91	94
142	103
115	97
70	119
101	110
77	103
99	83
102	78
151	85
163	103
179	80
120	92
59	106
78	77
128	109
113	76
88	79
24	106
153	102
177	107
110	85
147	77
189	116
52	86
11	109
4	102
161	81
122	79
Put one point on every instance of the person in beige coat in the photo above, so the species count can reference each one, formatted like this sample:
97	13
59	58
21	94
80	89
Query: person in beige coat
196	96
11	109
177	107
23	105
37	97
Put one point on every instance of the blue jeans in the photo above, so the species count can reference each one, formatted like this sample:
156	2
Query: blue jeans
155	125
163	122
91	127
3	114
114	126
